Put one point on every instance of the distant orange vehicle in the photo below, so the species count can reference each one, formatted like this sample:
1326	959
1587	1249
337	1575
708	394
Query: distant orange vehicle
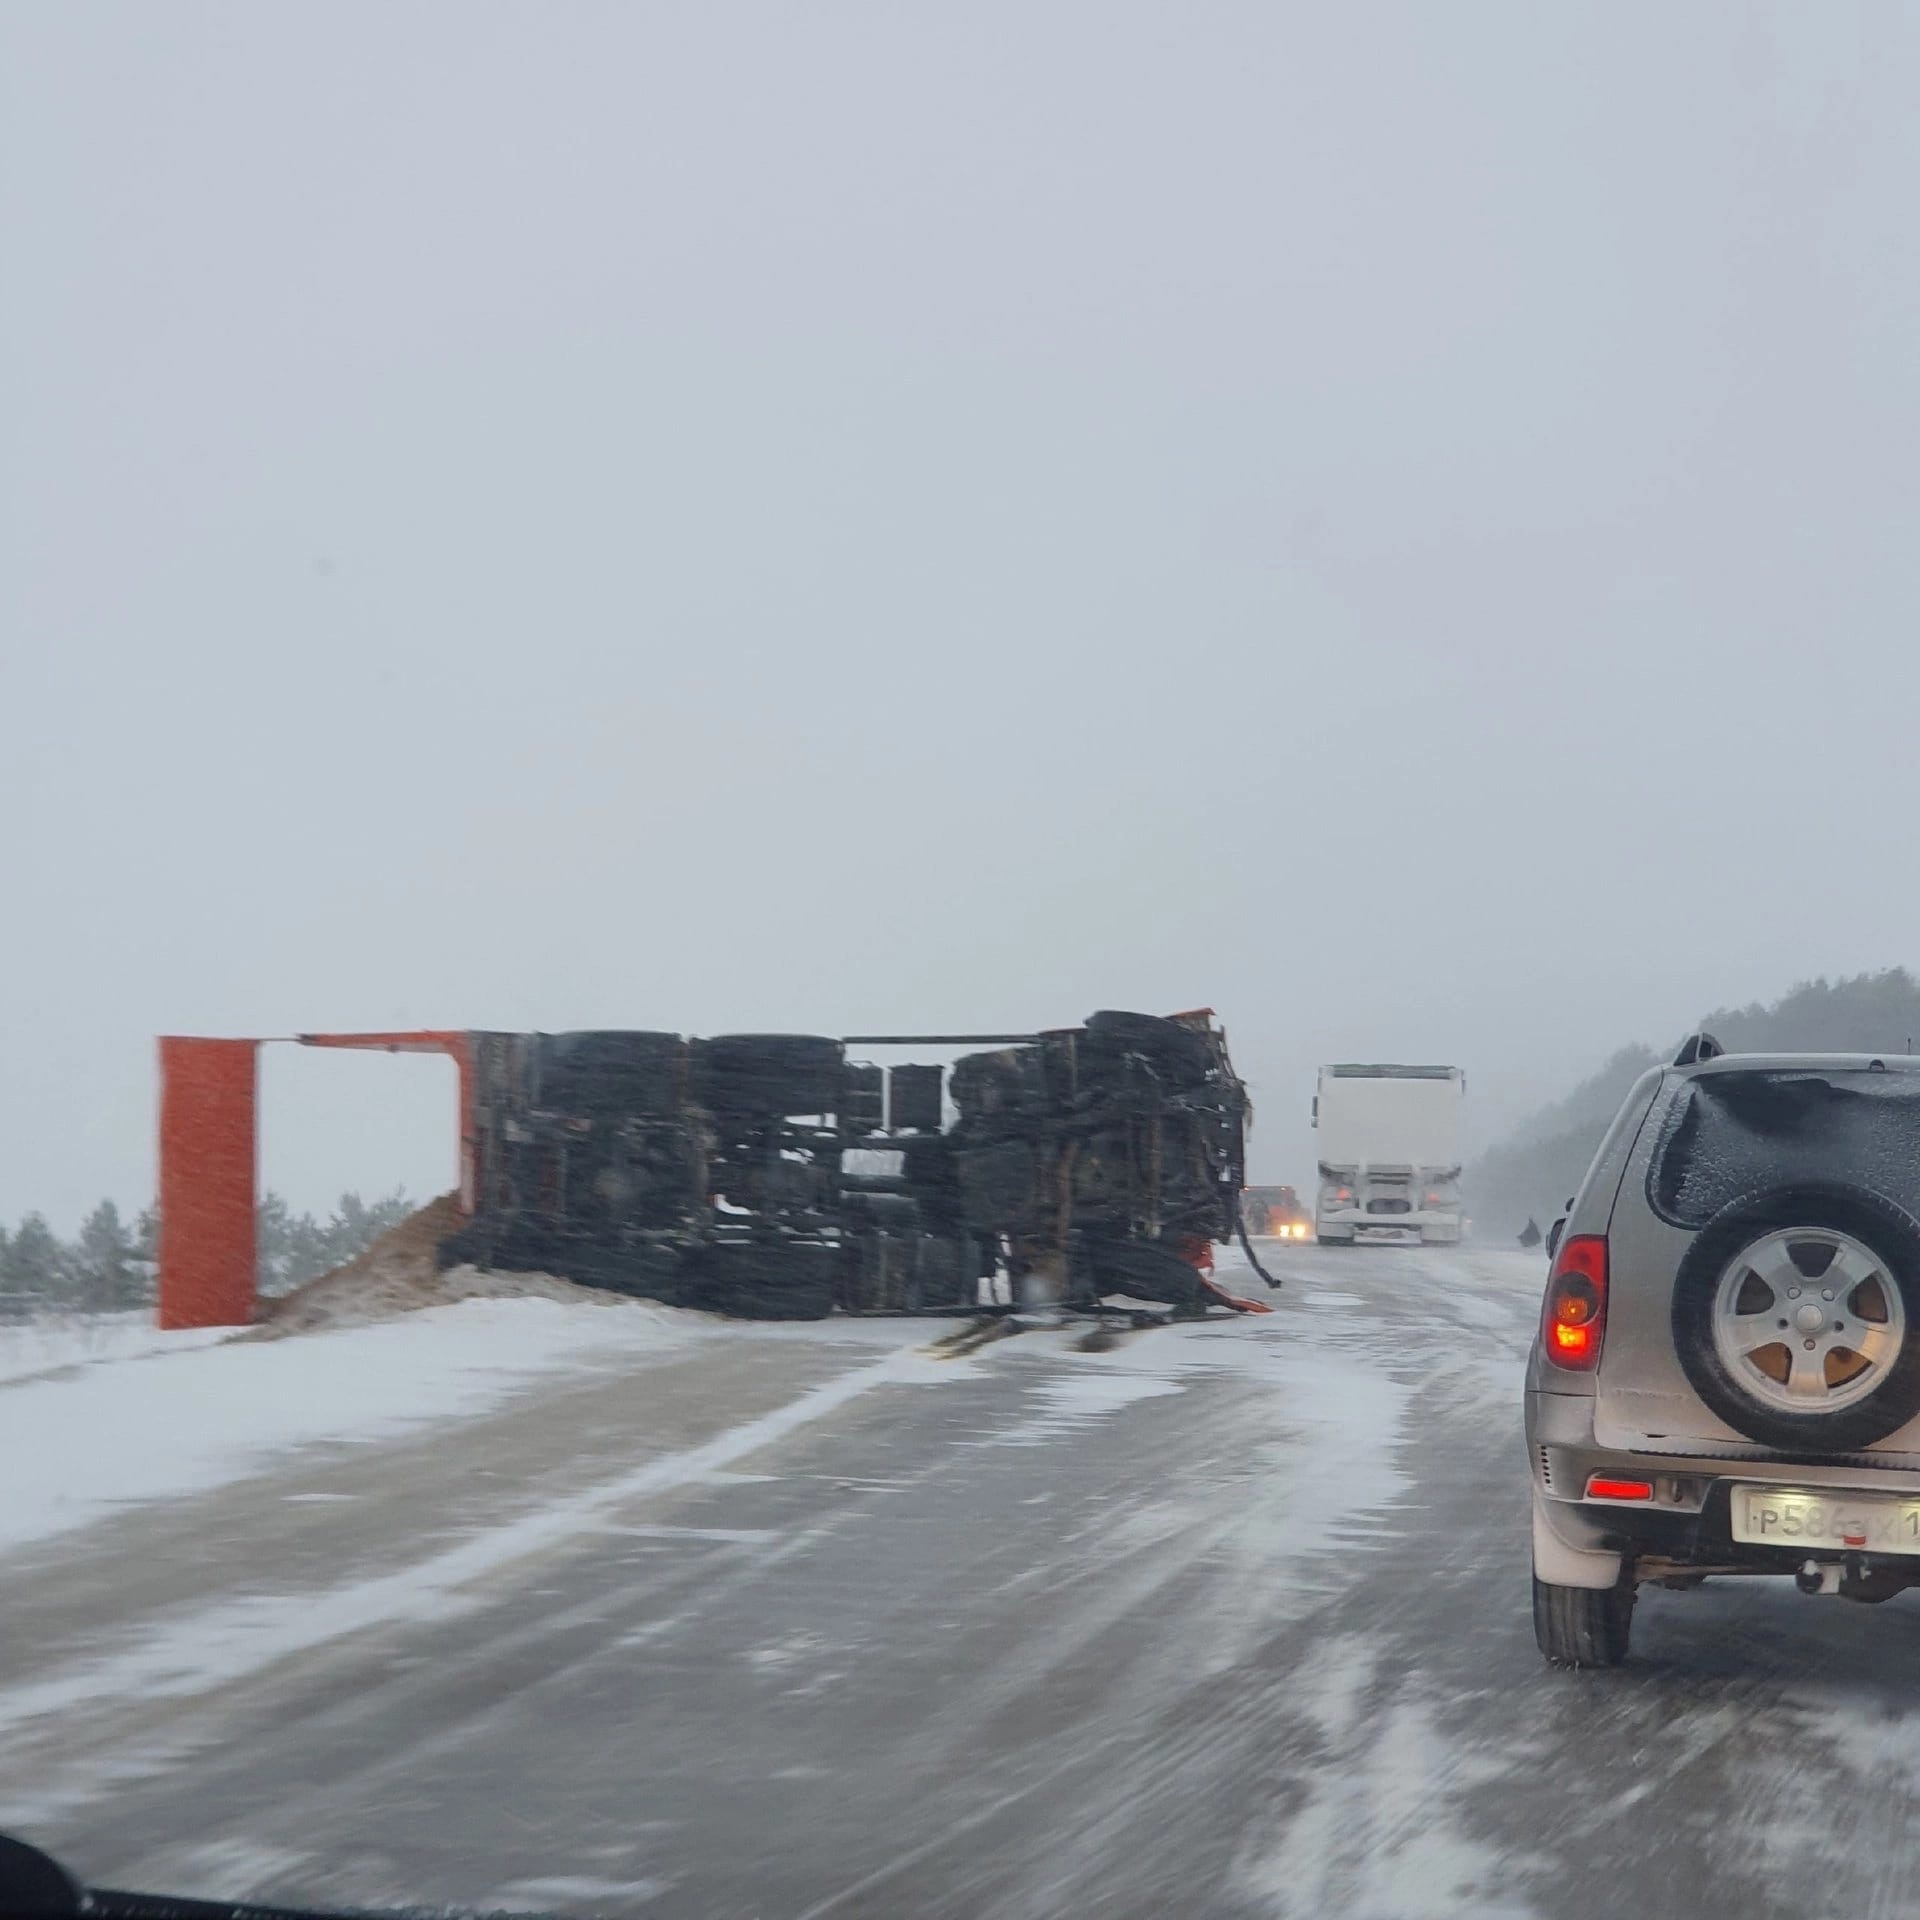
1276	1212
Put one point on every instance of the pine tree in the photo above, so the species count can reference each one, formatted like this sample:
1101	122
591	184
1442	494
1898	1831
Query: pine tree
383	1215
295	1246
146	1250
357	1223
105	1276
350	1229
37	1272
309	1249
273	1234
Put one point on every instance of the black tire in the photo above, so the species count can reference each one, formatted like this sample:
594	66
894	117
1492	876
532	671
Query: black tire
1178	1053
772	1075
999	1090
650	1273
951	1271
757	1282
918	1095
612	1072
1888	1230
1583	1626
1145	1270
468	1246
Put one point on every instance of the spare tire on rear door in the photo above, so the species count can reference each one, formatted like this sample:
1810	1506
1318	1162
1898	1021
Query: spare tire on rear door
1796	1314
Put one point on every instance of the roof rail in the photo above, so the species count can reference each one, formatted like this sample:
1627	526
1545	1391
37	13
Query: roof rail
1698	1047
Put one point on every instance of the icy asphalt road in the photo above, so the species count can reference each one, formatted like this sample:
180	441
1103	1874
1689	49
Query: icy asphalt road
1230	1621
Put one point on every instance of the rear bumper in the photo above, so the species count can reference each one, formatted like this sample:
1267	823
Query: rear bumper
1586	1543
1688	1522
1428	1220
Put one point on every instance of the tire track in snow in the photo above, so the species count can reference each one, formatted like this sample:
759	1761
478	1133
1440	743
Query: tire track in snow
232	1641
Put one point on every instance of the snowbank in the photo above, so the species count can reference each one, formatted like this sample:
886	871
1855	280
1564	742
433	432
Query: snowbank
184	1415
57	1341
364	1298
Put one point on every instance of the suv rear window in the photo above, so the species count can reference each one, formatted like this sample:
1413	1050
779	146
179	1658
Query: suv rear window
1727	1135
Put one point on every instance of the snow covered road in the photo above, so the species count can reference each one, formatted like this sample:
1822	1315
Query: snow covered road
638	1616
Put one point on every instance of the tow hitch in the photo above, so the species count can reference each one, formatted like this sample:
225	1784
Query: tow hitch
1818	1576
1854	1578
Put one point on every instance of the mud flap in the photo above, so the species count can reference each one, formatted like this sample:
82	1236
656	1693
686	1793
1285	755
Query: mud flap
1563	1564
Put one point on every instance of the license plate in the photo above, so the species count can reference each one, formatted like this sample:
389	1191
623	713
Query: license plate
1840	1521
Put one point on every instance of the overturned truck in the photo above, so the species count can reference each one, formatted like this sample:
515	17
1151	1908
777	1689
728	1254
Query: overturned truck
777	1176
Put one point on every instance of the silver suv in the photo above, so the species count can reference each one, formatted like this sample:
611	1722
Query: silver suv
1726	1379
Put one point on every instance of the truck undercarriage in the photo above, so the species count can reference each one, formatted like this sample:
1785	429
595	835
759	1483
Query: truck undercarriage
777	1176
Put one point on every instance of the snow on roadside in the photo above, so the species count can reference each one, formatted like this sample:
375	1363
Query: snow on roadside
182	1415
55	1341
359	1296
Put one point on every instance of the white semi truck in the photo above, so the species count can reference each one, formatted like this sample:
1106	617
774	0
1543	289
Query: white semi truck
1389	1153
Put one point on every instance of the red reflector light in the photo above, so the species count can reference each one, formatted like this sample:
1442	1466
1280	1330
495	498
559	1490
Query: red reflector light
1601	1488
1573	1317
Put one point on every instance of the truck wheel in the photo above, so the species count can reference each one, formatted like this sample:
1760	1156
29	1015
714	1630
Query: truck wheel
1176	1050
1146	1270
770	1075
765	1282
617	1072
1583	1626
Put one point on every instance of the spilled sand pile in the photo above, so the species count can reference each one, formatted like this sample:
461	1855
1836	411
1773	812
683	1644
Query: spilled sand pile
399	1273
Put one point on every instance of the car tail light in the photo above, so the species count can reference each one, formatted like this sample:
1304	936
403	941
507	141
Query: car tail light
1345	1193
1600	1487
1573	1320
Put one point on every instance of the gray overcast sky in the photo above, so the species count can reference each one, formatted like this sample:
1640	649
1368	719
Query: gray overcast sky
1396	522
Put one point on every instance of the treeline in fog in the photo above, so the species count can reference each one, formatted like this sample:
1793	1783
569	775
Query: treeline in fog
1530	1174
109	1265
